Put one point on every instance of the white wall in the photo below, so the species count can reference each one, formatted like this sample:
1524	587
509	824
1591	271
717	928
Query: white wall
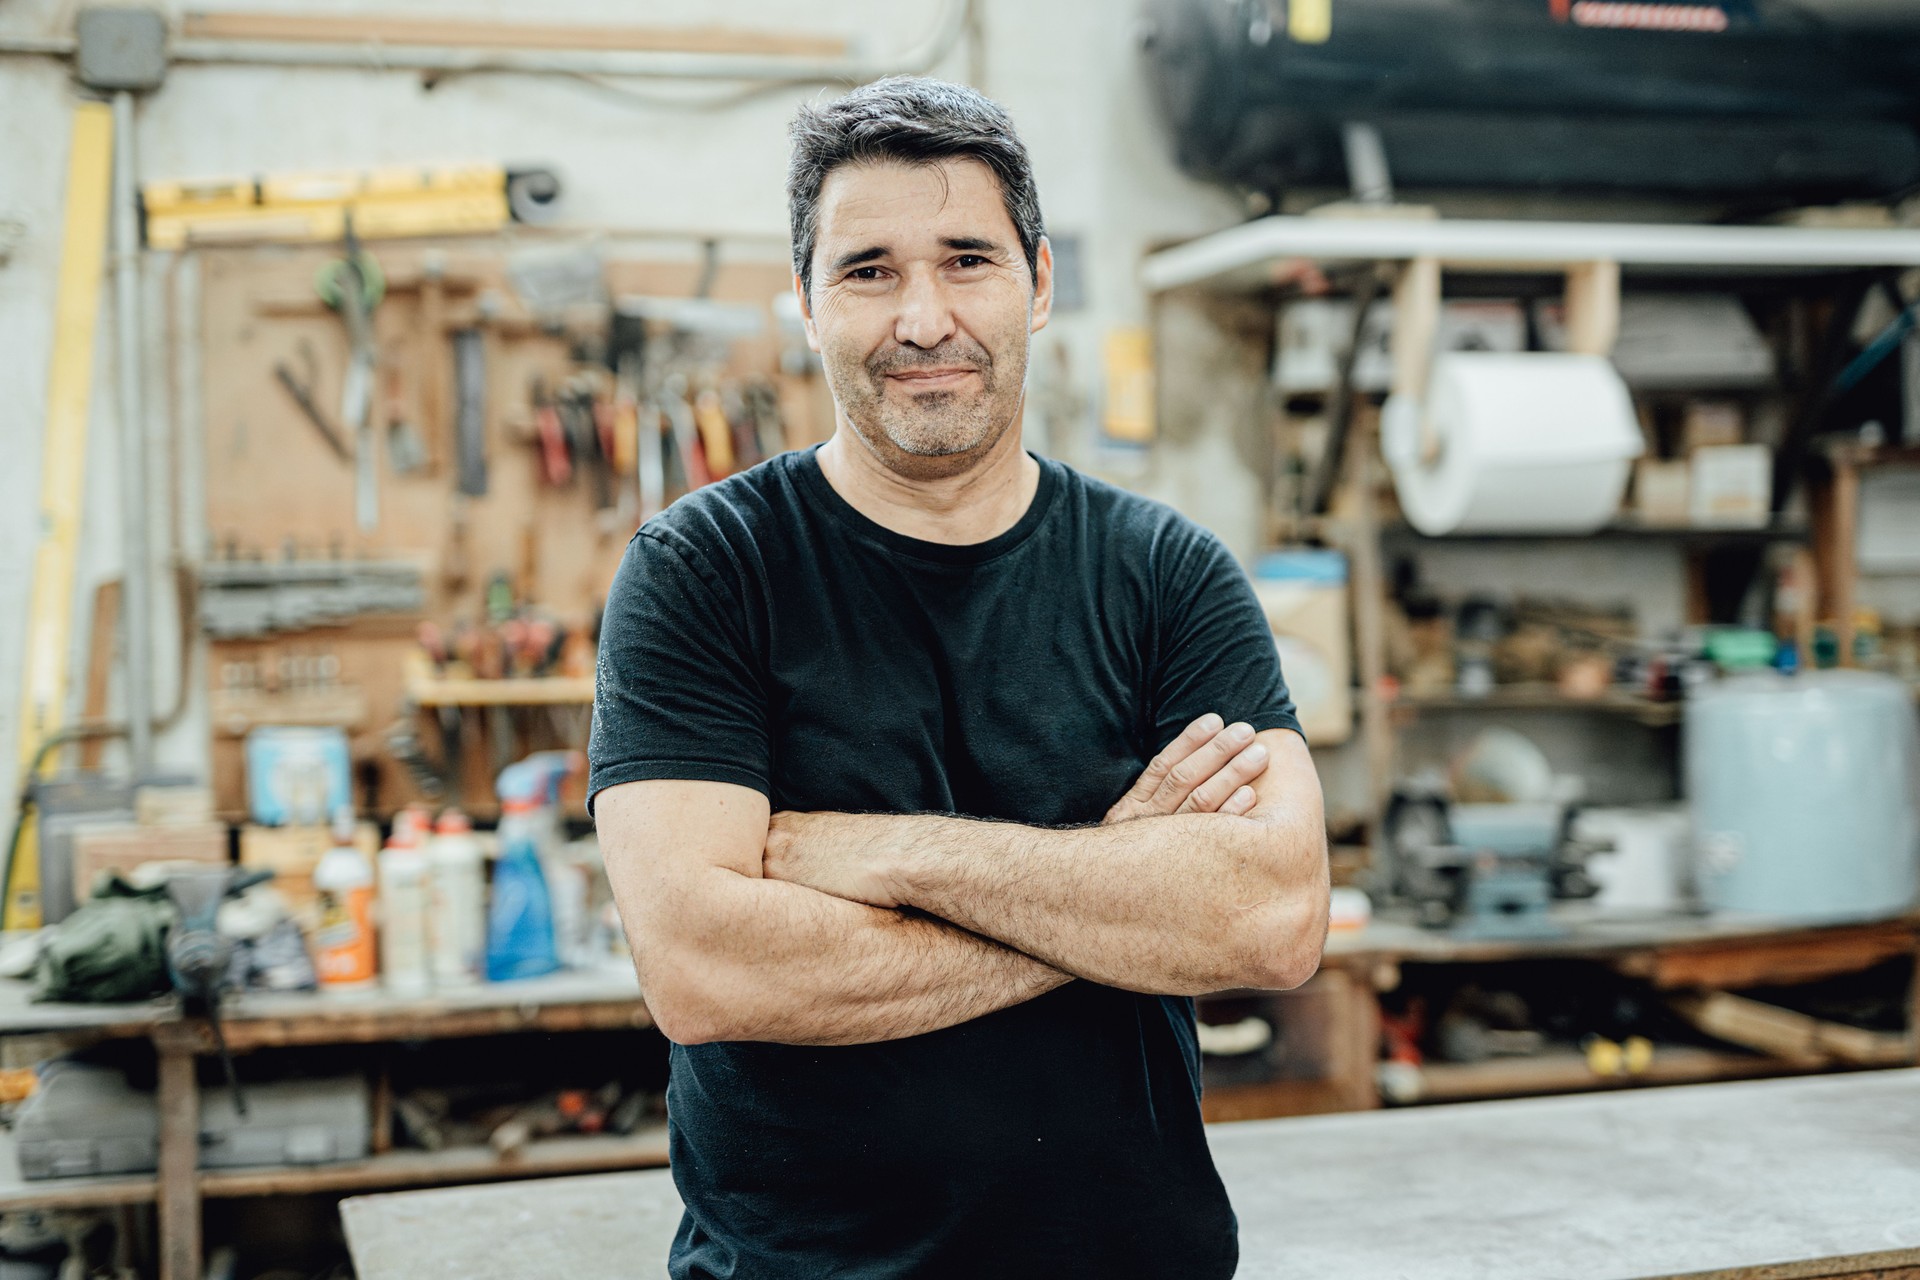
1065	69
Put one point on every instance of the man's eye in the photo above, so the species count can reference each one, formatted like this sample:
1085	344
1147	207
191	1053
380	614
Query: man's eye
864	273
967	260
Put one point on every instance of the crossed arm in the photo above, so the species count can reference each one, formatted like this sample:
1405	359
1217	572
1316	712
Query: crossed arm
852	928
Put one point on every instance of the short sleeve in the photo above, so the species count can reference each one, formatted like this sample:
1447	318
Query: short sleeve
1215	651
677	692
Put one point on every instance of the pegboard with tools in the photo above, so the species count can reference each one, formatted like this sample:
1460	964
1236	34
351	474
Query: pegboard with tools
419	454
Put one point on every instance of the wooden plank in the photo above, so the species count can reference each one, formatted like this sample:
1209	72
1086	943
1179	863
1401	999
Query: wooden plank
544	691
100	648
1781	961
373	28
1593	307
76	310
1273	1098
1568	1072
1785	1034
374	1028
646	1149
1416	319
179	1100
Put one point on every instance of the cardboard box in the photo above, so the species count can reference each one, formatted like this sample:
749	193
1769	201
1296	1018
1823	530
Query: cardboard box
1709	424
172	806
292	853
122	846
1662	492
1304	595
1732	485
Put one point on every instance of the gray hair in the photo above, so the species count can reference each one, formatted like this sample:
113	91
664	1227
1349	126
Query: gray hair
910	120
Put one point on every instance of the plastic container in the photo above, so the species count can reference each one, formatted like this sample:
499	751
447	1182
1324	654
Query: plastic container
405	966
343	943
520	942
456	902
1804	794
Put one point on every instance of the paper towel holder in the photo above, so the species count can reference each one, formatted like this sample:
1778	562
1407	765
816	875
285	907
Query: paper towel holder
1593	323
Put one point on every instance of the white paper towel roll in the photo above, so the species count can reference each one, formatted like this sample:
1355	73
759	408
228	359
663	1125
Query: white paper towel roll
1534	442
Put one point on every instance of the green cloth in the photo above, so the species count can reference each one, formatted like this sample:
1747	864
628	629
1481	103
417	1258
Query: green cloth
113	948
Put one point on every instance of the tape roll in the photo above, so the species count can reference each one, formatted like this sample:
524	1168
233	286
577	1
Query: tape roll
1524	443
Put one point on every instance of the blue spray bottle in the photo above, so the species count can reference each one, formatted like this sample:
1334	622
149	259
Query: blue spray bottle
520	917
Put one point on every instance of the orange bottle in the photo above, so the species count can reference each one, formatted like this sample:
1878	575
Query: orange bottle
343	945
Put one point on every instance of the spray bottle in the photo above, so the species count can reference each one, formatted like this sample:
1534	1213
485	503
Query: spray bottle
520	941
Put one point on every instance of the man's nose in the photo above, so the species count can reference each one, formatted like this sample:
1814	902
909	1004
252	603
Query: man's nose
925	318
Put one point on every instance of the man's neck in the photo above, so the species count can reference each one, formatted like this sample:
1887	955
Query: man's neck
974	505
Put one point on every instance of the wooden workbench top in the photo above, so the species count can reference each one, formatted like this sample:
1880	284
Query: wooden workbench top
586	999
1763	1180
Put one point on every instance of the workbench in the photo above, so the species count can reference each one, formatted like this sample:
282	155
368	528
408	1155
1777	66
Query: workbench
1761	1180
1672	954
1340	1003
588	1000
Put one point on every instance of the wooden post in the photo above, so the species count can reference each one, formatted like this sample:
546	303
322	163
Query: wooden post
1416	318
1593	307
1369	623
179	1098
1844	557
1355	1047
436	424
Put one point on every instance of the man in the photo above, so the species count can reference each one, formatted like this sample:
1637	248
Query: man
868	771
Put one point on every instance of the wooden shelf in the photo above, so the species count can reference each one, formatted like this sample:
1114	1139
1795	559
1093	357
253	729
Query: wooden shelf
542	691
598	999
645	1149
1245	256
1626	529
1545	697
1567	1072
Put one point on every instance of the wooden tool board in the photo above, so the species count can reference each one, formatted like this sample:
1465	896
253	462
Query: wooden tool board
272	482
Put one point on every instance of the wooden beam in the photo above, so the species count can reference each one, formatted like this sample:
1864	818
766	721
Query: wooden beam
179	1099
1416	319
100	642
1796	1037
1781	961
364	28
1593	307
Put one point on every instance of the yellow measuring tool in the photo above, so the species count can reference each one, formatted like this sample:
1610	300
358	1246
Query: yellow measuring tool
43	688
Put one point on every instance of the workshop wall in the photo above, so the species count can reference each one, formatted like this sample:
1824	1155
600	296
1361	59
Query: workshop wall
661	170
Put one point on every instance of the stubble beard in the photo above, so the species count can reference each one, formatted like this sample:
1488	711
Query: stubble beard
927	434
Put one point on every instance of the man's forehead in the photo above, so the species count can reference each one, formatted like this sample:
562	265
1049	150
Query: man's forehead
899	205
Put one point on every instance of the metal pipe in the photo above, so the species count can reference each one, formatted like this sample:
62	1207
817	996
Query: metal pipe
137	615
45	46
922	56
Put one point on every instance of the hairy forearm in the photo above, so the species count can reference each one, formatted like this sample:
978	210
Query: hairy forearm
1182	904
755	959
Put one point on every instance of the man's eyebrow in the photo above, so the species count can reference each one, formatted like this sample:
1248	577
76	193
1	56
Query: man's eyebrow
859	256
969	243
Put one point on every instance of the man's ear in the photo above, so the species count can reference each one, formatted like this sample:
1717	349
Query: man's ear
1042	287
806	311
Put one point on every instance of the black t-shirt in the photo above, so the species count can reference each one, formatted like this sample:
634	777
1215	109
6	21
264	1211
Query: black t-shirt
763	632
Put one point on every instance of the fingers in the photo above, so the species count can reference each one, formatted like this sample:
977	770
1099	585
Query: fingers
1191	739
1240	803
1202	782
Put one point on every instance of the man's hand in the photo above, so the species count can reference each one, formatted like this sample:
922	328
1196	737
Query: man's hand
1207	769
837	853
